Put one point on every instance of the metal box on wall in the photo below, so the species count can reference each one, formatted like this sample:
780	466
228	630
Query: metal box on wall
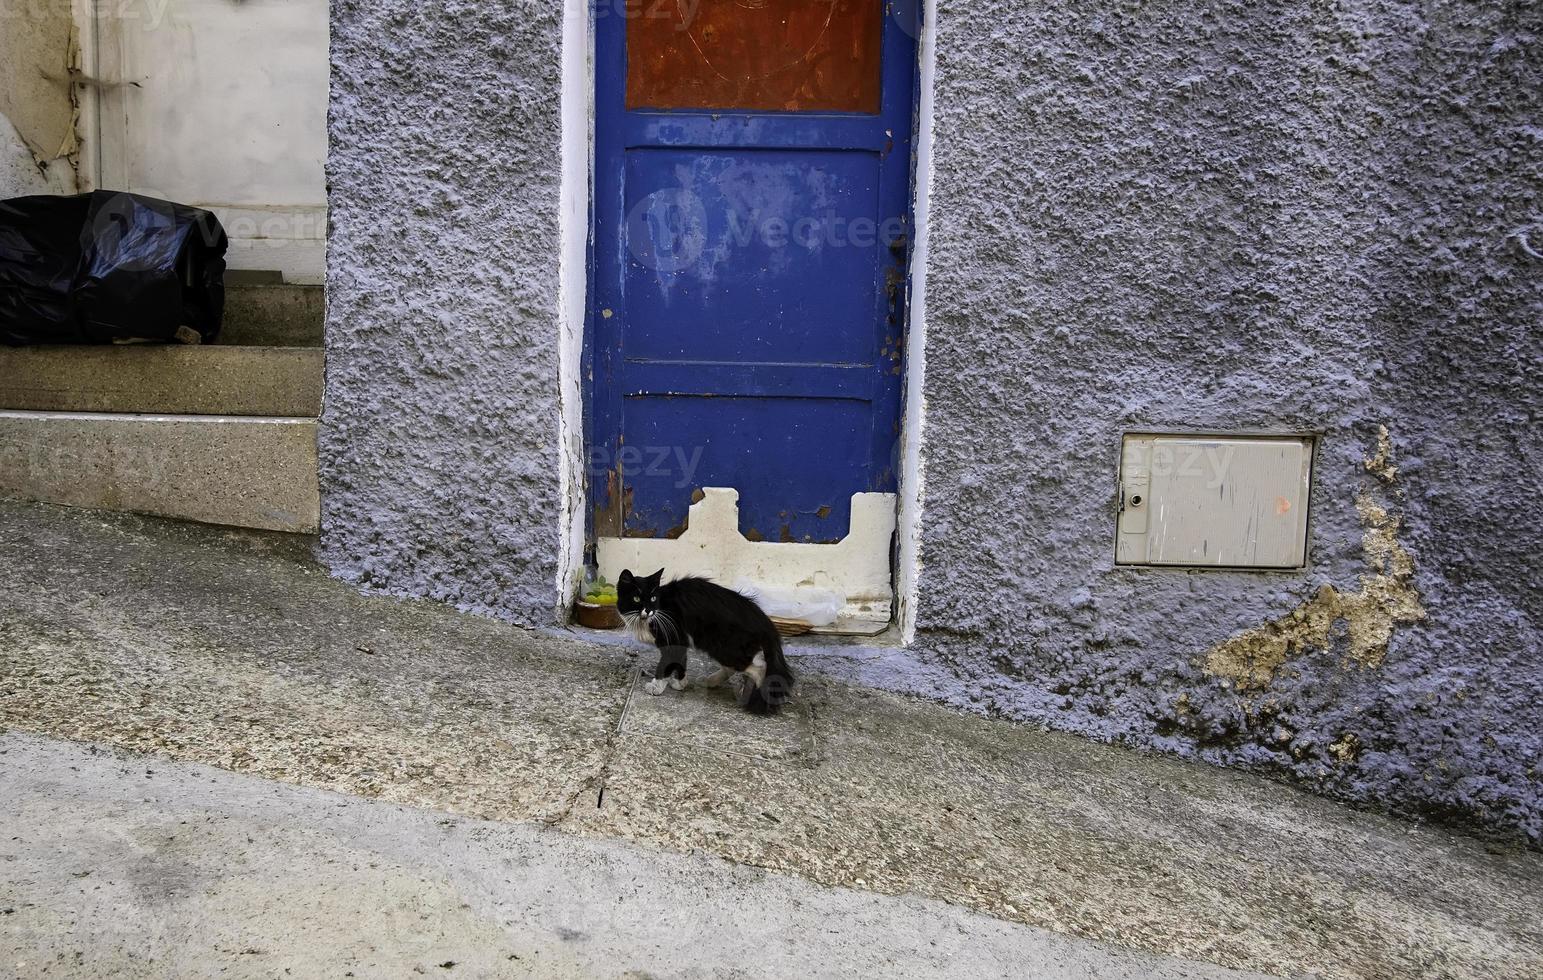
1214	501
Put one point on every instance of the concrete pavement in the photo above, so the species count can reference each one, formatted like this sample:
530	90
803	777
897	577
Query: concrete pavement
232	649
116	865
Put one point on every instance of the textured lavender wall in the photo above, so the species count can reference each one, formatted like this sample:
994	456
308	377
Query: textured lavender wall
1206	214
1228	214
439	443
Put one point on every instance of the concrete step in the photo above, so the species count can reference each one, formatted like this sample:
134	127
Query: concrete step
164	379
277	314
247	471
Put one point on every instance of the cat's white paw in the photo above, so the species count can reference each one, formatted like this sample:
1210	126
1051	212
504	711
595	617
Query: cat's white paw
679	683
656	687
717	677
757	670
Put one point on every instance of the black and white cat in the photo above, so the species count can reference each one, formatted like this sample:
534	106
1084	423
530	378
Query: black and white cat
693	612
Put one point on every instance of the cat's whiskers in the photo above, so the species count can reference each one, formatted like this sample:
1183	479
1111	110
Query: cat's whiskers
637	623
672	632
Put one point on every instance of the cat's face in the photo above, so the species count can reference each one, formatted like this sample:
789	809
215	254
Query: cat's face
637	599
637	594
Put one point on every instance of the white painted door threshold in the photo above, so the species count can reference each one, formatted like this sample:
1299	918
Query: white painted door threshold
857	567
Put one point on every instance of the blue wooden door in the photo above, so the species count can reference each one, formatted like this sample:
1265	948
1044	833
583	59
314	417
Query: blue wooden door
751	221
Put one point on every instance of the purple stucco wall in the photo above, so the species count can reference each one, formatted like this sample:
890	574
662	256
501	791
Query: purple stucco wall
1209	215
438	448
1233	215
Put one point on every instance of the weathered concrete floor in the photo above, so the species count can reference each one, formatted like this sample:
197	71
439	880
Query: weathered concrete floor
232	649
119	865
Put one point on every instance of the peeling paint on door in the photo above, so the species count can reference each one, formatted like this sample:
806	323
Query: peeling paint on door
39	61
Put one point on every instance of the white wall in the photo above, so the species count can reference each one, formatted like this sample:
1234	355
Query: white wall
222	105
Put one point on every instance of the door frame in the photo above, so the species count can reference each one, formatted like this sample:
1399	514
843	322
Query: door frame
576	327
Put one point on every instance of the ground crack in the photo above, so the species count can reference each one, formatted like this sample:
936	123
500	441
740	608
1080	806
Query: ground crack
596	784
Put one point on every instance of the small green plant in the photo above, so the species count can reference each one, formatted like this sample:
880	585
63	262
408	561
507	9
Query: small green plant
600	592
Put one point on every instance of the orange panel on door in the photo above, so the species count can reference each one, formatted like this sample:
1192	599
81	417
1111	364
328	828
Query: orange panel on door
777	55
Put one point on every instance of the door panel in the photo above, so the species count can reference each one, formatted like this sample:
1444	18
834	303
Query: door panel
754	254
795	456
748	266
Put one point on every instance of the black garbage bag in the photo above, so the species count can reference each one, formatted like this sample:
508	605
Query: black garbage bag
109	266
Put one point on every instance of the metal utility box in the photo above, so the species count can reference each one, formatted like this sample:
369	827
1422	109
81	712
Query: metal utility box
1214	501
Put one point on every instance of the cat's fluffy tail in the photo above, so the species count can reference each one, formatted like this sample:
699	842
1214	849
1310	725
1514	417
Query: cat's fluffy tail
768	697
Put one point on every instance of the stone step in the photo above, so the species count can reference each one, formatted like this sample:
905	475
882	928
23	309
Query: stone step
273	314
164	379
246	471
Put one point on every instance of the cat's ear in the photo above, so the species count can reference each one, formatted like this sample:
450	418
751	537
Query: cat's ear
624	577
654	578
